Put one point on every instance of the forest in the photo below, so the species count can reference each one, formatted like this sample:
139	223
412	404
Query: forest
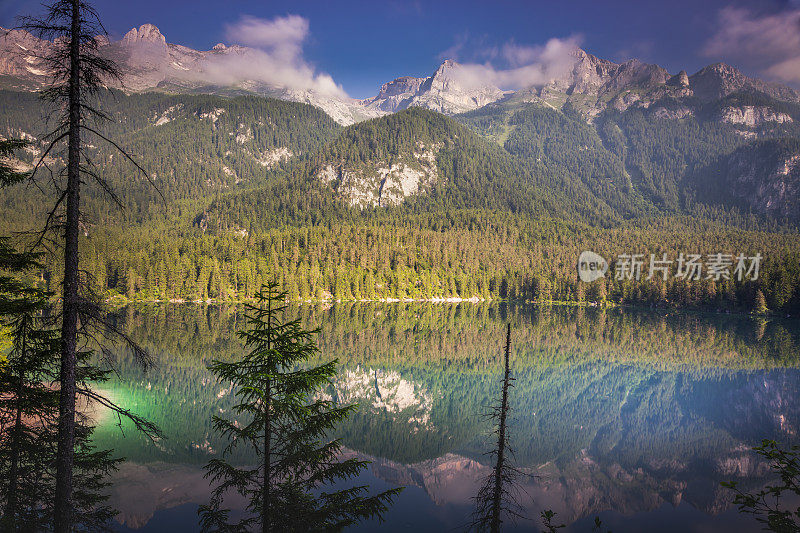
502	221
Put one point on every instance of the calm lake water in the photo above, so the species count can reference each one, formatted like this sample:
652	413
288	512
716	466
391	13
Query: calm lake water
633	416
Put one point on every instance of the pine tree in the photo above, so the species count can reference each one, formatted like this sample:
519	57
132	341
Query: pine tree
8	175
78	73
760	303
283	419
29	422
29	412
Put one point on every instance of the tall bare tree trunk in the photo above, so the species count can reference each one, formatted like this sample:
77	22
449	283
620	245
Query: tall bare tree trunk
497	495
69	328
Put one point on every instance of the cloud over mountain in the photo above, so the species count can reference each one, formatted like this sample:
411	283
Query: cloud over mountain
769	44
515	66
274	56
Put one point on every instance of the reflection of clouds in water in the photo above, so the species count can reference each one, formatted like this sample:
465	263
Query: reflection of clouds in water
387	391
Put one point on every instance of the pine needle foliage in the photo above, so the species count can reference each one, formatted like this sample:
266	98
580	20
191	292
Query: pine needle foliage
282	415
29	407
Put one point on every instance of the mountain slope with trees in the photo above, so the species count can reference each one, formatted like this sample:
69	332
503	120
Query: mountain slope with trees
508	197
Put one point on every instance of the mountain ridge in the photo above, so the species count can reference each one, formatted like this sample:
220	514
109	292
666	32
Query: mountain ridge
619	139
152	63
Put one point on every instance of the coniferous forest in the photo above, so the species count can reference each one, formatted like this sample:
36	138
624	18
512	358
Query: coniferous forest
503	221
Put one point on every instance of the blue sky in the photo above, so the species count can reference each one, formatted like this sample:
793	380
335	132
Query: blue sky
364	44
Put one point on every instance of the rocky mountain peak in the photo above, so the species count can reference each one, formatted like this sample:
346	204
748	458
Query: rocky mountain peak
635	73
681	79
150	62
588	73
442	91
401	85
719	80
146	33
19	39
446	70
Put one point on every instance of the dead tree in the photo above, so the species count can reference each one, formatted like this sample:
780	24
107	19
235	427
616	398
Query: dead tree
496	501
79	73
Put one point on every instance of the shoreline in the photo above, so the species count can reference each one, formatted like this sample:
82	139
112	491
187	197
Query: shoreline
122	301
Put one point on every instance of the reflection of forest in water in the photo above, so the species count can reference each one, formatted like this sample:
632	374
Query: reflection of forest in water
614	409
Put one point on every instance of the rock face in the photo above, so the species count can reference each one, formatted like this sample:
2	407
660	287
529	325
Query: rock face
681	79
753	116
594	84
443	91
19	58
602	80
149	62
388	393
384	183
719	80
763	177
588	74
146	33
772	192
396	95
635	74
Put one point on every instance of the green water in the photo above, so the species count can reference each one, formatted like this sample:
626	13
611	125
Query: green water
632	415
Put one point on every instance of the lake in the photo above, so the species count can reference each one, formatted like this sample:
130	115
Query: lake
635	416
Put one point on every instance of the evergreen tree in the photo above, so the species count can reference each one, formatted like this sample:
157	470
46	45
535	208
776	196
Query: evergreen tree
28	424
760	303
29	410
78	73
282	417
8	175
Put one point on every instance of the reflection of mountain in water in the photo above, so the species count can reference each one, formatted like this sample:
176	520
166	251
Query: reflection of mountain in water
612	410
583	486
378	390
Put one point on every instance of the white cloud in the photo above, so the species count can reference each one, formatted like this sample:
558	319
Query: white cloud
769	44
290	31
274	56
524	66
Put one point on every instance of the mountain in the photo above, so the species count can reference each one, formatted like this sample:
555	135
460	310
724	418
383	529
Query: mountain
419	161
20	66
595	85
666	154
606	140
395	95
720	80
149	63
592	85
193	147
386	161
762	177
443	91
